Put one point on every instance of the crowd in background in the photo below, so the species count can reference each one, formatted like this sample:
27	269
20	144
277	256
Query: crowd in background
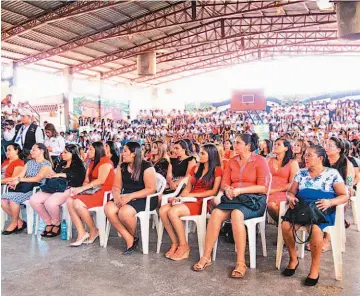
310	146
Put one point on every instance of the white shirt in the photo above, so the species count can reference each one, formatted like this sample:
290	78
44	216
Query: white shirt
57	144
39	136
9	134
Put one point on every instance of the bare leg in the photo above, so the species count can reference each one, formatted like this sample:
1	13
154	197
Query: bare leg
287	233
15	212
239	232
128	220
75	219
174	215
273	210
112	213
163	212
5	204
316	243
212	233
84	214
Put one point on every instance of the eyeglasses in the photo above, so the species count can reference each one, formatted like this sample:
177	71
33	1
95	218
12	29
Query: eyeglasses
309	155
330	146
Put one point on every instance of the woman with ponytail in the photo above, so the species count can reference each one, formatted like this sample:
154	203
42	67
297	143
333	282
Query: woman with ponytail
21	186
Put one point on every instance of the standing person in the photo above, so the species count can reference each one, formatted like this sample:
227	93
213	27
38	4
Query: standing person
100	174
283	168
246	177
54	143
21	186
112	153
47	205
205	180
27	133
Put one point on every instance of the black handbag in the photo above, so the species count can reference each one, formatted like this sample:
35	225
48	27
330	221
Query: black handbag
54	185
24	187
304	213
249	200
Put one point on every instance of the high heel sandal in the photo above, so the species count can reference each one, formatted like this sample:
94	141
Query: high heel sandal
181	254
239	270
172	250
200	267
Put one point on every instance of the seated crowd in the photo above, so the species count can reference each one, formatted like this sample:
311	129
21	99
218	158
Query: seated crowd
247	176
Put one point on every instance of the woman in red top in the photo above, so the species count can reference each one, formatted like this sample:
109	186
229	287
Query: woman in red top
246	173
205	180
228	152
99	174
13	164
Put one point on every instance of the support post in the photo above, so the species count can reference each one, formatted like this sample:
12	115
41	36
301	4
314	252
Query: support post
68	99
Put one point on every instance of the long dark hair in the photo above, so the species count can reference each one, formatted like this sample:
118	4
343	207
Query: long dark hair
252	139
50	127
75	156
18	149
190	146
114	153
320	152
134	147
183	144
99	153
288	154
341	164
268	146
42	147
303	149
214	161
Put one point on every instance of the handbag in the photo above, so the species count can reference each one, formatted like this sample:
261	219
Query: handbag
91	191
249	200
54	185
304	213
24	187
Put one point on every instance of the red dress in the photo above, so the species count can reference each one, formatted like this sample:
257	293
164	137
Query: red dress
198	186
10	166
279	179
227	155
96	200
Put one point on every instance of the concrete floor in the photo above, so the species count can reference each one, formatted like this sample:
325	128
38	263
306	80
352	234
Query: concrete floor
35	266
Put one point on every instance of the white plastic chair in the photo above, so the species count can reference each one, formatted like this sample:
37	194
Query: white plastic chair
100	218
337	233
29	211
164	200
144	216
200	223
355	205
251	231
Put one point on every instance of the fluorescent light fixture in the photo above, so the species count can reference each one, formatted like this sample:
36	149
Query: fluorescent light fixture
325	4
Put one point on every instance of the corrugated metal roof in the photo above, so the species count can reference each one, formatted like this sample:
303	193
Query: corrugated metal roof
56	32
47	5
22	8
12	18
73	28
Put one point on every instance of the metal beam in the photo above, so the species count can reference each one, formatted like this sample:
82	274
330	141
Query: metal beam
254	48
75	8
253	56
208	33
175	14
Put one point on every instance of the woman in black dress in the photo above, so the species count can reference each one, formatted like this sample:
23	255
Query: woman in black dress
159	158
135	179
180	166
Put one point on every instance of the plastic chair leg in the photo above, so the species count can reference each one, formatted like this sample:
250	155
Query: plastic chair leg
336	251
252	244
107	233
160	231
30	218
101	224
37	224
214	250
201	232
301	247
187	230
279	248
263	239
145	225
3	219
355	205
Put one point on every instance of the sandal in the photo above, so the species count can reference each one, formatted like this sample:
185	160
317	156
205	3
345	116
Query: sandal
239	270
172	250
46	232
53	233
200	267
181	253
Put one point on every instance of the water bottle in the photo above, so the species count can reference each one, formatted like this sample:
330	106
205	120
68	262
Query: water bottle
63	230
